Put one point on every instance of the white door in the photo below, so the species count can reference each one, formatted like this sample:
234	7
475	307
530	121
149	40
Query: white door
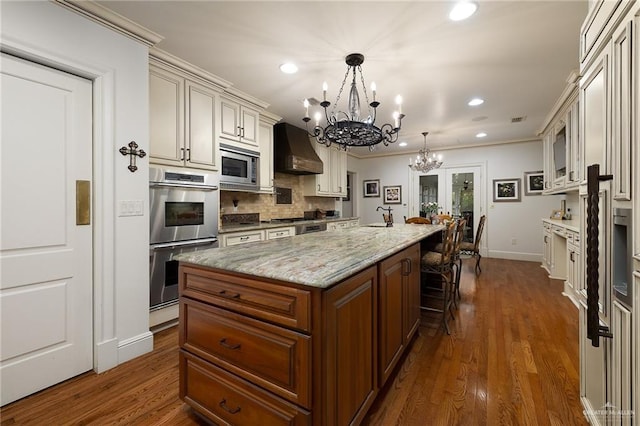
462	196
45	257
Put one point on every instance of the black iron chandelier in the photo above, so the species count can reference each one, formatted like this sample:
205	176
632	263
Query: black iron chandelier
347	129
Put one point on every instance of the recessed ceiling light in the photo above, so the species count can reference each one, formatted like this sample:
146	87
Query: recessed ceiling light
462	10
289	68
475	102
402	144
481	135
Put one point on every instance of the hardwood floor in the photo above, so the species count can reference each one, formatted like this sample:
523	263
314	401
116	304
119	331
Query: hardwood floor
511	359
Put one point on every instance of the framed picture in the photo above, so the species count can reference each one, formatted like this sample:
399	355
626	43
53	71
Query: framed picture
506	189
371	188
557	214
392	194
533	183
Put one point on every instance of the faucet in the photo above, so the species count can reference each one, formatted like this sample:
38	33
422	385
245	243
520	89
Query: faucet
388	218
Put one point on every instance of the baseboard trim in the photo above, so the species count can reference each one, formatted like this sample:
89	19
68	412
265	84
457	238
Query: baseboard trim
105	355
135	346
511	255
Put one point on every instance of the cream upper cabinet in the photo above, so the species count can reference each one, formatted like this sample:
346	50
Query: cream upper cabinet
338	165
561	142
238	123
320	184
182	121
333	181
265	140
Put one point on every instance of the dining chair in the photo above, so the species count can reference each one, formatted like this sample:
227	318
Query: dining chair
473	248
417	219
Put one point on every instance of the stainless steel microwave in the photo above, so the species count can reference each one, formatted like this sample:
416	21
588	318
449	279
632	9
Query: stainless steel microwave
239	168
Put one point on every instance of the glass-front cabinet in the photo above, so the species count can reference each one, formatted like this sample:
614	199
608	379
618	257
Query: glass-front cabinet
561	142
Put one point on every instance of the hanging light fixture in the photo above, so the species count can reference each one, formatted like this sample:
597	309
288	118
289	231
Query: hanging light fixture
348	129
425	162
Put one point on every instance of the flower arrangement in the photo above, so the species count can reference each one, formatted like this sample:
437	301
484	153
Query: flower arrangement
430	208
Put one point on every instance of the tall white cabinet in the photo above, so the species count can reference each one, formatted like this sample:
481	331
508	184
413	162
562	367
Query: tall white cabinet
608	95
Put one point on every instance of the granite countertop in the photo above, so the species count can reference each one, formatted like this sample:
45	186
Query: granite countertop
319	259
268	225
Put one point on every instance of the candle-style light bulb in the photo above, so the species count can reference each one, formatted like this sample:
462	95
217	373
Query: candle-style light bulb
399	103
373	90
325	87
317	117
306	106
396	118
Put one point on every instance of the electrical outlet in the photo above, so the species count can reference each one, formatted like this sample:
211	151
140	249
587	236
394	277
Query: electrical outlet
514	241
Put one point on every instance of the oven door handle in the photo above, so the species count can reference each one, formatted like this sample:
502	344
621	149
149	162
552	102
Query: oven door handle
175	244
182	185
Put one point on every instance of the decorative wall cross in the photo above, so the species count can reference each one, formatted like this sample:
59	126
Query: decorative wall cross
132	152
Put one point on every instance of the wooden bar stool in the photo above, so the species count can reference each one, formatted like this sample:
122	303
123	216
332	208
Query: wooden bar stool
439	264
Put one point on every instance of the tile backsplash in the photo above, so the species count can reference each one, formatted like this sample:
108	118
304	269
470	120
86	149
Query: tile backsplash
265	204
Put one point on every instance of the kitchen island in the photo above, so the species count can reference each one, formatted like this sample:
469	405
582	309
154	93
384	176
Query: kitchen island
300	330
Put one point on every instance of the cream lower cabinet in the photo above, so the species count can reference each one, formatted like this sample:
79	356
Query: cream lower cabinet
573	266
342	224
252	236
182	115
547	253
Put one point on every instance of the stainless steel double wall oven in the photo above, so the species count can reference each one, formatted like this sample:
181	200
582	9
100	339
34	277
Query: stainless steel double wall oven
184	218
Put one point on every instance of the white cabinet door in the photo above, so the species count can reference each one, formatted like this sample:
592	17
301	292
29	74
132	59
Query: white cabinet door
166	117
275	233
46	290
249	120
321	184
594	87
181	121
622	59
201	145
266	157
229	120
338	172
238	123
245	237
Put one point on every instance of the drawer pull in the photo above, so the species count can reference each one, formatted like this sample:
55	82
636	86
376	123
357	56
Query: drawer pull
224	293
223	342
223	404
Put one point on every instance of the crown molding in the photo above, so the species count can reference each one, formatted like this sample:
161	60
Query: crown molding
112	20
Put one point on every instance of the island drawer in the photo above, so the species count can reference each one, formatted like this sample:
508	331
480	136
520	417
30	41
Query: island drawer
227	399
272	357
287	306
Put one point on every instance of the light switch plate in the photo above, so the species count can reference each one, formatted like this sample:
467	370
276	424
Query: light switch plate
130	208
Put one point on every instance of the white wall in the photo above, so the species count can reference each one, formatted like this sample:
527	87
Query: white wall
505	220
118	66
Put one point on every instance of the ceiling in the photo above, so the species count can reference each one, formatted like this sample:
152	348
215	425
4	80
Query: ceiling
516	55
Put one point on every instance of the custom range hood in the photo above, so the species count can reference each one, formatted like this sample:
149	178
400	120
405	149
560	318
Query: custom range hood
293	151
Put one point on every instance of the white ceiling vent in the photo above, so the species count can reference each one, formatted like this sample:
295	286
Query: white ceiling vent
518	119
313	101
